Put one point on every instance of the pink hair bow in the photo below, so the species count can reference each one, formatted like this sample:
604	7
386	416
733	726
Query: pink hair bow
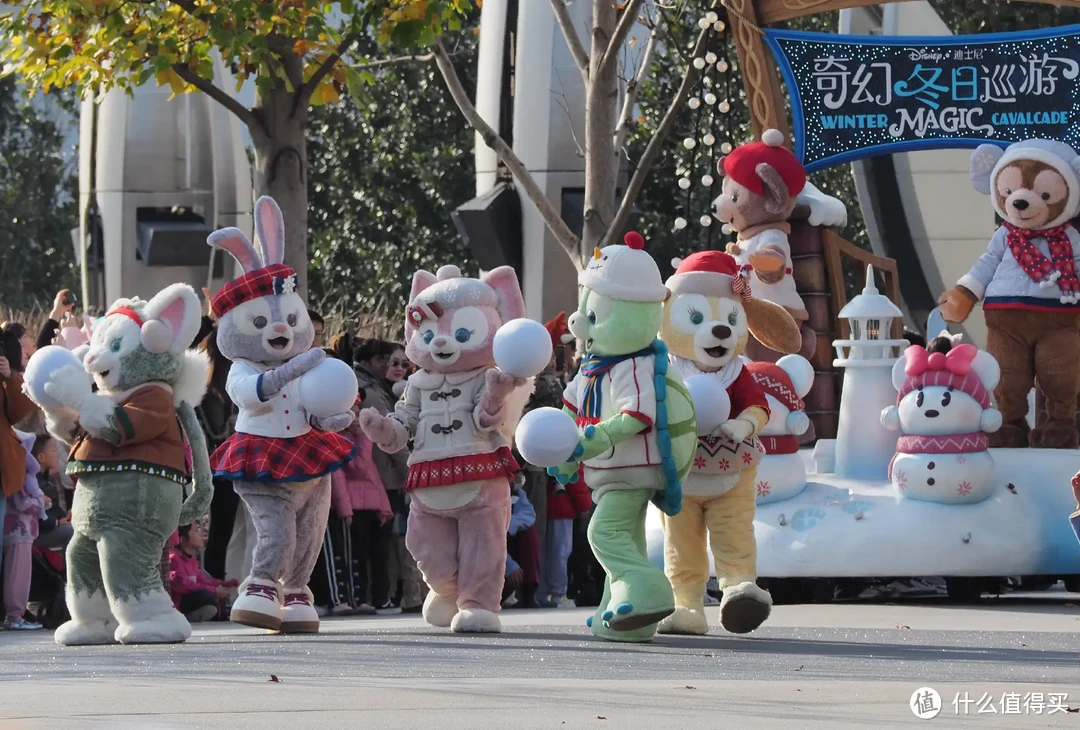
957	360
417	313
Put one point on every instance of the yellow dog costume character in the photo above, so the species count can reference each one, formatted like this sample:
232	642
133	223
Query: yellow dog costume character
708	320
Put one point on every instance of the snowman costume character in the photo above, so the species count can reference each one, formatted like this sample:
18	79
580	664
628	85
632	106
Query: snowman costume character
943	409
782	473
280	458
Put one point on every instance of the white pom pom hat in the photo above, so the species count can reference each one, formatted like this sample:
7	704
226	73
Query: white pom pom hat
625	273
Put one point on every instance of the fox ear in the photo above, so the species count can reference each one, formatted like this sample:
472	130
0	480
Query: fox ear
504	281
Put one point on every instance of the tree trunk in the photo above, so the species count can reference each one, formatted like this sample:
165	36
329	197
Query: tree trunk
281	168
601	110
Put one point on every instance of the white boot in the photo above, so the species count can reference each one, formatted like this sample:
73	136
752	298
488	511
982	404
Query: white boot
298	614
686	620
476	621
258	604
440	610
150	619
91	621
744	607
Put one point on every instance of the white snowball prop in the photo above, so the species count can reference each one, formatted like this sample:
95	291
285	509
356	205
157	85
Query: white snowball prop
40	369
522	347
328	389
712	406
546	437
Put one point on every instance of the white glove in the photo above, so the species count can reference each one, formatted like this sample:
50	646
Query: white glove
990	421
737	429
890	418
70	386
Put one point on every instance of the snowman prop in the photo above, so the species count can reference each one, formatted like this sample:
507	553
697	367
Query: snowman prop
944	412
782	473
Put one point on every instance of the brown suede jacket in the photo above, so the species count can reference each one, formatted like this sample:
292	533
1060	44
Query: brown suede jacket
14	407
151	440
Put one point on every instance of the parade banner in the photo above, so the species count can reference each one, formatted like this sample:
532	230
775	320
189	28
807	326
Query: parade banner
858	96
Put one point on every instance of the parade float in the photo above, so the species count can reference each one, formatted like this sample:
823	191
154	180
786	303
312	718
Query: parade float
898	485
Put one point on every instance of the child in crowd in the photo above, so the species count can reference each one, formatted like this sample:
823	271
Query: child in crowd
55	531
25	508
359	498
523	543
1074	518
564	505
195	593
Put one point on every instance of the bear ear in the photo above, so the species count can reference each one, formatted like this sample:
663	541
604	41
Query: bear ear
983	160
800	371
720	166
986	367
774	188
898	374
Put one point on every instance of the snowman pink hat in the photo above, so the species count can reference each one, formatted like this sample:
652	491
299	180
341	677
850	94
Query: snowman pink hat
950	369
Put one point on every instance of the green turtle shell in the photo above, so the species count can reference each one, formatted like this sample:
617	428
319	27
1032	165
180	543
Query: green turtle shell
682	424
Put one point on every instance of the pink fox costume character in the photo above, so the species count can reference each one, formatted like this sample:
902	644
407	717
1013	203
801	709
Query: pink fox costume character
279	458
456	409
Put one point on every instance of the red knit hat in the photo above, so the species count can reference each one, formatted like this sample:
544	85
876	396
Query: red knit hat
776	382
270	280
741	165
558	330
712	273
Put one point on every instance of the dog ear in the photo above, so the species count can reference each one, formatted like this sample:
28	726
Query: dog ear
772	326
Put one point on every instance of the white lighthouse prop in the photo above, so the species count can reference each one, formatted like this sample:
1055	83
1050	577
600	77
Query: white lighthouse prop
863	446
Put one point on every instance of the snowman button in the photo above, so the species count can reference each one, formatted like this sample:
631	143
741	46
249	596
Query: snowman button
930	481
928	466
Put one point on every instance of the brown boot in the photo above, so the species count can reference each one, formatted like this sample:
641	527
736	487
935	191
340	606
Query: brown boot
1057	434
1011	436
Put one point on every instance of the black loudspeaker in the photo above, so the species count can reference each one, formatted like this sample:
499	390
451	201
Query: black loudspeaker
490	225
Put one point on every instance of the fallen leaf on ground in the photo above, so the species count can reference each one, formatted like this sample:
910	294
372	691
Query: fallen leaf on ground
1072	709
600	717
273	678
689	686
800	667
902	626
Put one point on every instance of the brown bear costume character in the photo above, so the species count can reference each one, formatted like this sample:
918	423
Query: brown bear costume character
1028	282
762	181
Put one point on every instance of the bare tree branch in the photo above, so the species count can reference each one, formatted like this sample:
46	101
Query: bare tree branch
573	42
626	116
303	94
217	94
652	150
414	60
618	37
560	99
554	221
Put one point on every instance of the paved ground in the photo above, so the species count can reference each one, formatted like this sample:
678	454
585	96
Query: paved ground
837	665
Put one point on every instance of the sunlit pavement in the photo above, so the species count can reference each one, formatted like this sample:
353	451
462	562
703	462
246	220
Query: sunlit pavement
835	665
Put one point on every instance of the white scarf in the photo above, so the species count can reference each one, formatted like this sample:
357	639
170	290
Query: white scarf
724	377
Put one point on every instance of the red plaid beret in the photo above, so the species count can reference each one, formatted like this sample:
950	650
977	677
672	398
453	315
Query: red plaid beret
270	280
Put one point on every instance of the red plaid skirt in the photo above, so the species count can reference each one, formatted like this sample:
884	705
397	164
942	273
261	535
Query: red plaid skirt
249	458
459	469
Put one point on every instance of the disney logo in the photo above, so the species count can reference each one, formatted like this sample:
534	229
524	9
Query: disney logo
921	54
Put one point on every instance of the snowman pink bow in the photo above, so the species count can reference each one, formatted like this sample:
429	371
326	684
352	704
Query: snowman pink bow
957	361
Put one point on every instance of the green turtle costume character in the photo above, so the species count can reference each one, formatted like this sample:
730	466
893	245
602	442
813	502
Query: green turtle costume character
638	432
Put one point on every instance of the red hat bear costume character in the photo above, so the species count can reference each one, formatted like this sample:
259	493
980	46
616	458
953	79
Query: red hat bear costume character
762	181
1027	280
781	473
708	320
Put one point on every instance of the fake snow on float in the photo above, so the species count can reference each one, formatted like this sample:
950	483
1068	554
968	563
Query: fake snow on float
845	528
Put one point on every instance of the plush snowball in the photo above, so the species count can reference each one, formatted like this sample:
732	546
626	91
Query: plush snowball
522	348
546	437
712	406
40	369
328	389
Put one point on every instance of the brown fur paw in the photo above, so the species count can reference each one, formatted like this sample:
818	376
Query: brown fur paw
1054	436
1010	436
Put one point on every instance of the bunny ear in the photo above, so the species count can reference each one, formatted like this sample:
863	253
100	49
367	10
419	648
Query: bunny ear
173	317
270	230
237	244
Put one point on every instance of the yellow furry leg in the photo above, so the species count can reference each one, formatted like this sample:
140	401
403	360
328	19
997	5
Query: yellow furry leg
686	563
730	519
